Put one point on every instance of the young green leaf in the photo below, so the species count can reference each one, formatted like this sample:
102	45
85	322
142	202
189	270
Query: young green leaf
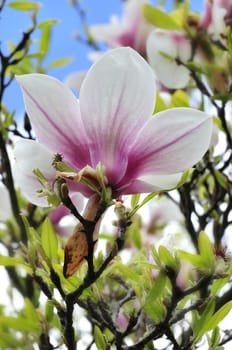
99	339
49	239
24	5
159	18
206	250
167	258
200	323
157	289
218	317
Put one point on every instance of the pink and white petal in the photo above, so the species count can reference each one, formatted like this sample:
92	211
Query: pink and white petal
116	99
108	33
30	155
171	142
55	115
175	45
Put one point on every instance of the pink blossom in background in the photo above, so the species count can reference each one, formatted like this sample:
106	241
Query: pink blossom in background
217	15
111	124
63	222
177	46
132	30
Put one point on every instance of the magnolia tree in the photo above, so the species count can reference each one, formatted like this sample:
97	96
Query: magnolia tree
116	204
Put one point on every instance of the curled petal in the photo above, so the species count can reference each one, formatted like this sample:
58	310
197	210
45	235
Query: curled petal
30	155
175	45
55	115
117	108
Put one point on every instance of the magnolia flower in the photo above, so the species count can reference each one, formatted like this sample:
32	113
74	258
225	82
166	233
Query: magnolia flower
132	30
112	125
174	45
218	14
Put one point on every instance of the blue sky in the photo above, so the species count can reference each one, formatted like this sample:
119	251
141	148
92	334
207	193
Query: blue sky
12	24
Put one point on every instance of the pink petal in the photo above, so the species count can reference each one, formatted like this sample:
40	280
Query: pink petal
55	116
30	155
170	142
175	45
116	99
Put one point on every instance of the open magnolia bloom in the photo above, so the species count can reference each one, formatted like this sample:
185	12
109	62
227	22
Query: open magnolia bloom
132	30
163	48
110	125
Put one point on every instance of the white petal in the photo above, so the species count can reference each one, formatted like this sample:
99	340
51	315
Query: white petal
31	155
165	182
175	45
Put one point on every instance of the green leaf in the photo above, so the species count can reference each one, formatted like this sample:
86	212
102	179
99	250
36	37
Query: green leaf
14	261
199	324
218	317
19	323
194	259
44	41
30	311
60	62
99	338
159	18
49	239
215	337
47	23
179	99
24	5
206	249
157	289
167	258
10	261
145	200
155	310
159	104
185	177
222	179
134	200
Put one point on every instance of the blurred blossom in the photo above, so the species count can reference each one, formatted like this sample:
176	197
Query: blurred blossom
122	321
217	15
175	45
132	30
5	206
162	212
112	126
